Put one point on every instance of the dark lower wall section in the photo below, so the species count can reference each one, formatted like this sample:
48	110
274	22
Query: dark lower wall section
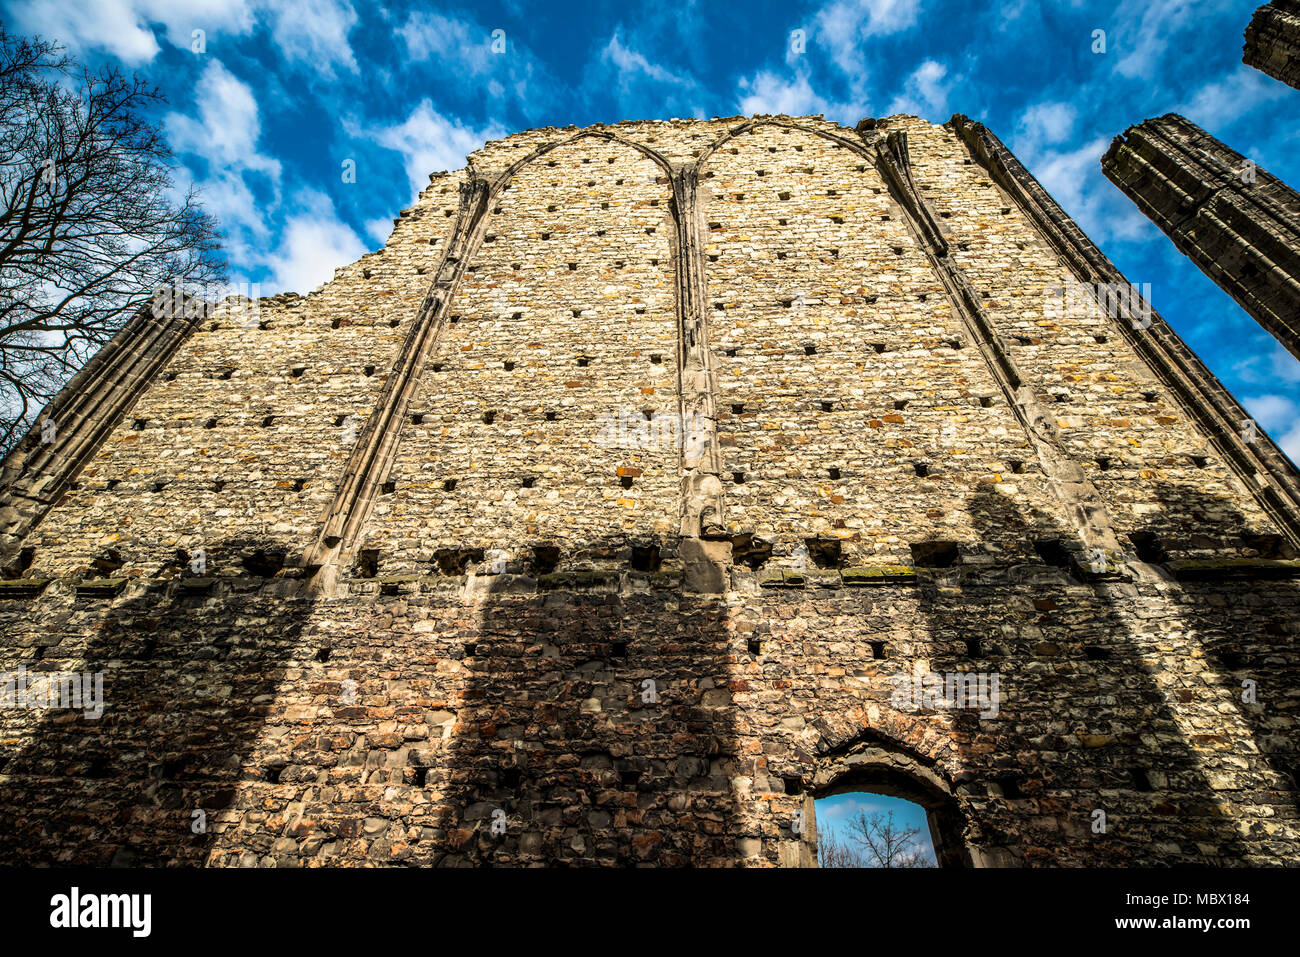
1237	222
1273	41
608	719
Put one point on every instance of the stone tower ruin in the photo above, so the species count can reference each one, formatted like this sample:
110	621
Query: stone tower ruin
653	481
1238	223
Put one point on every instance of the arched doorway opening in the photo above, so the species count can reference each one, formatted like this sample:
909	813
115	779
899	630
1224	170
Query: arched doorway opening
872	772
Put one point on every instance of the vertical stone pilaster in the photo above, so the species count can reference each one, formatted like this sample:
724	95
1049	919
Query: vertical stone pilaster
701	489
37	472
1273	41
1077	495
1238	223
373	455
704	554
1261	466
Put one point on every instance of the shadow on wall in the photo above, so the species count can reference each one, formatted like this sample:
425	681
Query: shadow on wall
1247	618
190	674
1107	705
1117	696
593	729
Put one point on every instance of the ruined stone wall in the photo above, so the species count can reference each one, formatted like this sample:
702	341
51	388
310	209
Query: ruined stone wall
1273	41
1116	419
1237	222
850	403
619	649
238	446
1123	697
506	443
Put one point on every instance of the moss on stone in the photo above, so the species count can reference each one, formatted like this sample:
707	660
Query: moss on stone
878	575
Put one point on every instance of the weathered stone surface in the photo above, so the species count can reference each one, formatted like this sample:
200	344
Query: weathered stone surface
456	608
1237	222
1273	41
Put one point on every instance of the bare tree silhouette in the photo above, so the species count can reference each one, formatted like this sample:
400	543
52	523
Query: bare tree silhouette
875	839
91	225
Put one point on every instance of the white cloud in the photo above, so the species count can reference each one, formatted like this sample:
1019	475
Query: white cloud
1143	32
768	92
1289	442
924	93
431	142
124	28
313	244
1271	411
1044	124
1283	365
224	134
1009	12
1073	176
314	32
379	229
308	31
228	125
241	187
1280	417
1065	174
1231	98
1074	180
431	36
843	25
631	63
467	59
636	80
1276	366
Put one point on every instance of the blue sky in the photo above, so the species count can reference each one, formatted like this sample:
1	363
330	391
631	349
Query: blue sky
835	812
286	90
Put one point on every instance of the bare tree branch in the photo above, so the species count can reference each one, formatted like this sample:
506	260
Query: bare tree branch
881	842
91	225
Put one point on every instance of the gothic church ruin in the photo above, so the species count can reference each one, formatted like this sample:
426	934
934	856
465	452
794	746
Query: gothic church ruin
653	481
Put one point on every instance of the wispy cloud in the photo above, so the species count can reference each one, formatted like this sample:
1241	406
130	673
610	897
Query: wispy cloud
314	32
1280	417
1045	124
239	183
634	78
1232	98
925	93
123	28
313	244
290	245
473	58
430	142
844	25
769	92
307	32
432	36
1144	30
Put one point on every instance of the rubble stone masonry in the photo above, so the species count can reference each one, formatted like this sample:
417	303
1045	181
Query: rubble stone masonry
600	517
1273	41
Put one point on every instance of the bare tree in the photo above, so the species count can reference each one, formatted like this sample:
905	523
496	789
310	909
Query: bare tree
881	842
91	223
832	853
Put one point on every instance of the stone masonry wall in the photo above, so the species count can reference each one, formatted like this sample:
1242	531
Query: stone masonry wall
239	445
512	396
1116	419
1273	41
850	403
655	651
